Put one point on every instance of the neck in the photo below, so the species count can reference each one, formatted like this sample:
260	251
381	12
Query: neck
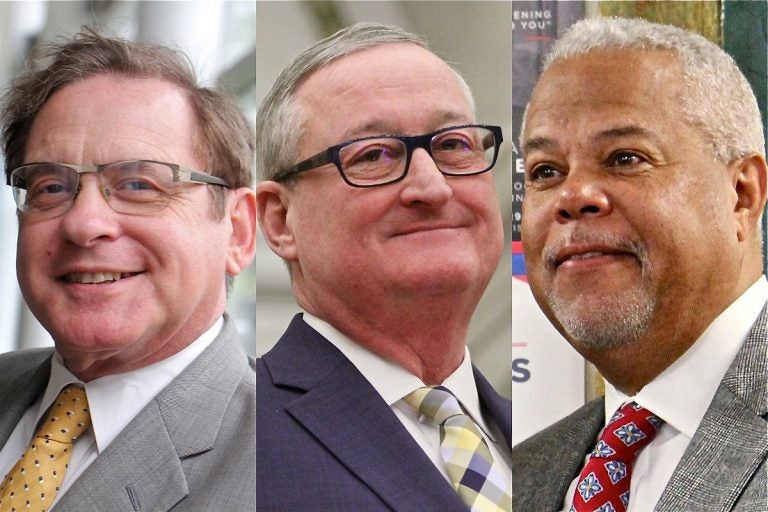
630	368
678	322
426	336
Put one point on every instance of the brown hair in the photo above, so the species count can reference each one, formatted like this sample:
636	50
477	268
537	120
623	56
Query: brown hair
226	140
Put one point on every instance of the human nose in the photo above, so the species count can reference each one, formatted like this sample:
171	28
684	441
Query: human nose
581	196
424	183
89	218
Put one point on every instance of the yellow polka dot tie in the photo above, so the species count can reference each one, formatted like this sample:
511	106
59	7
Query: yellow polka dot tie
33	482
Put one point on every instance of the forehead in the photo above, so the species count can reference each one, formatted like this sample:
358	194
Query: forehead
604	88
387	88
110	117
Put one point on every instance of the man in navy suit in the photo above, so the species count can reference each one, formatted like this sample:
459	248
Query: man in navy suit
373	189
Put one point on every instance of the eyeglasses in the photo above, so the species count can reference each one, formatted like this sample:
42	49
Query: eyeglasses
382	159
134	187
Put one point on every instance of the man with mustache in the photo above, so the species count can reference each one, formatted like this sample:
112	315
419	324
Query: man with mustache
375	191
645	186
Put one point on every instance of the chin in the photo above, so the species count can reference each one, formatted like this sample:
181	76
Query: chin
94	334
446	277
613	324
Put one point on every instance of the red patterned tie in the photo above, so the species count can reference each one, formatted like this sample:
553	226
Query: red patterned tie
603	484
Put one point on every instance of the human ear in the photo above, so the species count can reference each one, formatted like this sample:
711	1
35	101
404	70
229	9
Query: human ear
242	241
749	181
273	207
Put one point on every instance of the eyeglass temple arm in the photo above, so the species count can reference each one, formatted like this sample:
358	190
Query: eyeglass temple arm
493	138
322	158
200	177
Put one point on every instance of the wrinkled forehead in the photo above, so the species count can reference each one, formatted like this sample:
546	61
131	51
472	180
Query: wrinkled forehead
400	62
596	87
108	118
397	88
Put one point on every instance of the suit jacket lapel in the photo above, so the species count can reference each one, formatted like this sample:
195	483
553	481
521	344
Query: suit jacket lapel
142	468
129	474
553	458
732	439
18	392
346	414
499	408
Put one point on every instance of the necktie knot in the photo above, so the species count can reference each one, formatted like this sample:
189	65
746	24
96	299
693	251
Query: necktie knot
603	484
68	418
435	402
628	431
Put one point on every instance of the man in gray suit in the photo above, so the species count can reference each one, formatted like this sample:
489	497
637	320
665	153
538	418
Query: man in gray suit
645	185
133	188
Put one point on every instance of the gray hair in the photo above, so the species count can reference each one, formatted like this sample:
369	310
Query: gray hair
279	121
716	98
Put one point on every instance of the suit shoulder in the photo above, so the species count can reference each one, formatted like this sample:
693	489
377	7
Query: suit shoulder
572	425
18	362
544	464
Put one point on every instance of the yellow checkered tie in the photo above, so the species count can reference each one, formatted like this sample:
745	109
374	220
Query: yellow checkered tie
477	478
33	482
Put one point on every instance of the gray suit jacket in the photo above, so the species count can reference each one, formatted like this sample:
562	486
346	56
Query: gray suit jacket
723	469
192	448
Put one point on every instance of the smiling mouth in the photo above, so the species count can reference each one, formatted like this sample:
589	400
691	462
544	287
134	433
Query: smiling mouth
427	229
579	248
584	256
588	255
96	278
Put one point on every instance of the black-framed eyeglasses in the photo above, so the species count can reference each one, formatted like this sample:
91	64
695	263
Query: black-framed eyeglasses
134	187
382	159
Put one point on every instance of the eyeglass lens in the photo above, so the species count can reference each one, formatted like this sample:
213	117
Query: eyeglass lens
460	151
130	187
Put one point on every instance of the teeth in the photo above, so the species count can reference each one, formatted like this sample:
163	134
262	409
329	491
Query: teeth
98	277
586	255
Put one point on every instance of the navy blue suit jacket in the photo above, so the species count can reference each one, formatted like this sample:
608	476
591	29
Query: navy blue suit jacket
326	441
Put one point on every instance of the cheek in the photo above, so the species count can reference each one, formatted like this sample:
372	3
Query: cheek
532	225
479	197
35	242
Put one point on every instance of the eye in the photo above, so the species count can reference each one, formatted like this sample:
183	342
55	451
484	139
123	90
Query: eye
51	188
136	185
625	159
373	155
371	151
137	180
543	172
452	142
453	145
47	187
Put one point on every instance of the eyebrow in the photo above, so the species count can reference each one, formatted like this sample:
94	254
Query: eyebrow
539	143
547	144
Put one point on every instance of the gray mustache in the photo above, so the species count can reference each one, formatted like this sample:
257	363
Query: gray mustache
605	240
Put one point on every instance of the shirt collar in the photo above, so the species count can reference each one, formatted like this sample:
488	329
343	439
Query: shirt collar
115	400
696	375
392	381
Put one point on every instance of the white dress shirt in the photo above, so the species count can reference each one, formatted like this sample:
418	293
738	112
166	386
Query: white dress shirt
113	401
681	395
394	382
